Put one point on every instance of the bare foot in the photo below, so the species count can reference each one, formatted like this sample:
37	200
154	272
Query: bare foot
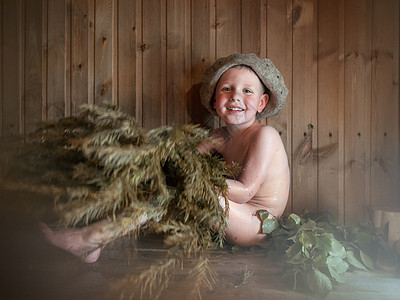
85	243
76	241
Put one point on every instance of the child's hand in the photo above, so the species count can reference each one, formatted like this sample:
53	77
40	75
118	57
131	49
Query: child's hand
205	147
218	137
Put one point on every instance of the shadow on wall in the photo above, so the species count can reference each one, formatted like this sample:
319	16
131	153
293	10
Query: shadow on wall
197	112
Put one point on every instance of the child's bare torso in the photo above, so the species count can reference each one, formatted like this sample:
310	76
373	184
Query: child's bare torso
259	149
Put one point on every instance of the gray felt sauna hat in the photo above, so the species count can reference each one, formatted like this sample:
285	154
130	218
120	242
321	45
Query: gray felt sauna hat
265	70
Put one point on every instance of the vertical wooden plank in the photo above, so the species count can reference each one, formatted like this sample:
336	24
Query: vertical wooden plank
45	29
79	53
341	118
114	52
33	65
91	52
203	54
103	51
329	73
229	31
21	16
385	104
56	62
154	63
1	86
127	55
253	27
139	63
279	50
396	11
304	20
357	89
1	69
178	61
11	47
67	58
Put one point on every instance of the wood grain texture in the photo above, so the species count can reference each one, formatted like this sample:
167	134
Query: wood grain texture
127	55
357	108
340	61
178	62
396	10
203	54
33	76
228	25
103	51
304	91
1	68
13	29
154	63
329	103
279	49
253	27
79	54
55	67
384	121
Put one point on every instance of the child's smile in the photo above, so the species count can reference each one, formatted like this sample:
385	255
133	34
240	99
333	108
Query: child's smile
239	96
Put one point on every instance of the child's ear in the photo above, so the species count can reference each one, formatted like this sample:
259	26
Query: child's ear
263	102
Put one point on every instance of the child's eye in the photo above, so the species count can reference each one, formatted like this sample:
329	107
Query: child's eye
247	91
226	89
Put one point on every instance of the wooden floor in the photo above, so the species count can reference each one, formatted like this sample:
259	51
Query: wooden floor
32	269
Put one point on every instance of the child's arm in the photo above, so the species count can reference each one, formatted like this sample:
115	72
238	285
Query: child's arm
218	136
259	157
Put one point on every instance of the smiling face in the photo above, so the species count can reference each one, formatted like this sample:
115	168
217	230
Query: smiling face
239	95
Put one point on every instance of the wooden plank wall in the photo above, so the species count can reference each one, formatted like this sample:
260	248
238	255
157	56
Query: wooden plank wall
340	60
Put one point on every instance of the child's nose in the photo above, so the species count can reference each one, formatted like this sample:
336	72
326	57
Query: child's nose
235	96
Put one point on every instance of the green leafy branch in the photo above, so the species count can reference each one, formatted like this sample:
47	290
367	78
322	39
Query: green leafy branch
318	251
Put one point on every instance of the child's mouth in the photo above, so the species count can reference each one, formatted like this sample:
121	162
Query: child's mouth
235	109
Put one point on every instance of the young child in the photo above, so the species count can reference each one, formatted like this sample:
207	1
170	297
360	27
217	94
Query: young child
240	89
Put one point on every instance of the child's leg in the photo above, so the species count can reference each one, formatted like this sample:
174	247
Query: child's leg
86	242
244	226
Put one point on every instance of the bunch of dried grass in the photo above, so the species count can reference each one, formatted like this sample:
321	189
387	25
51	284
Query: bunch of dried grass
102	165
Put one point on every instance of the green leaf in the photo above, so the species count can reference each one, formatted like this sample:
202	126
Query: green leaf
269	225
292	222
294	249
367	261
320	261
337	267
352	260
362	239
307	253
263	214
337	249
318	282
308	239
298	260
309	225
294	218
324	242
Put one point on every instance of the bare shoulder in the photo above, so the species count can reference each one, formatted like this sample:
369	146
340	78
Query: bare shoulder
268	133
